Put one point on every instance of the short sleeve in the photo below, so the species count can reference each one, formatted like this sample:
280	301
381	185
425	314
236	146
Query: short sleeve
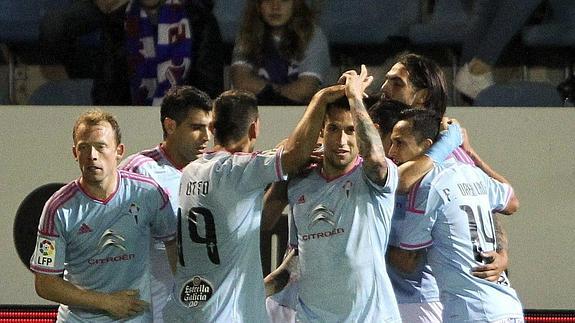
258	169
391	181
499	194
316	61
50	248
238	58
415	232
163	221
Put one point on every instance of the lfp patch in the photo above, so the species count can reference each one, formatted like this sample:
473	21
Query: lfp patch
46	252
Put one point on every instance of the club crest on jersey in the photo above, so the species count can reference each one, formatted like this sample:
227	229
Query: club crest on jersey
196	292
111	238
46	253
301	199
347	187
134	211
321	214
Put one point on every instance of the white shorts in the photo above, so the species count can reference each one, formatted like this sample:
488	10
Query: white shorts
278	313
421	312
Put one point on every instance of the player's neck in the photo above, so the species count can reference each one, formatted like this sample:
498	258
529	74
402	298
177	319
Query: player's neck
243	146
329	171
101	190
178	161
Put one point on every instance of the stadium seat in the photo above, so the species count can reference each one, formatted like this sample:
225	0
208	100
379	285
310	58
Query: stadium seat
519	94
229	14
20	19
63	92
558	30
368	21
448	24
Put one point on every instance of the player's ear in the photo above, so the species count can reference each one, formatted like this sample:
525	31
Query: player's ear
120	152
427	143
75	153
169	125
254	130
420	97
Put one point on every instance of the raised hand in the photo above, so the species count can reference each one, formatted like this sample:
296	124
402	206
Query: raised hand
355	84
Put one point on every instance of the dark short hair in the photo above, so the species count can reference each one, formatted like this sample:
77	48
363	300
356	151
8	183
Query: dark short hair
234	111
386	114
425	73
180	100
341	103
93	117
425	123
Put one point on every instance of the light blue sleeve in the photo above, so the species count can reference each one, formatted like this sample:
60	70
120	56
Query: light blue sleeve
163	221
50	250
256	170
415	232
499	193
391	181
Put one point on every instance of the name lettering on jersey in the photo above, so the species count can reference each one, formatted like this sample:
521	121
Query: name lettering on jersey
320	235
472	189
111	238
196	292
102	261
446	191
46	253
197	188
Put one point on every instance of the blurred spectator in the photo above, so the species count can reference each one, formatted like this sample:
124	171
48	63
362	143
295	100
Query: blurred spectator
147	46
498	21
280	54
60	31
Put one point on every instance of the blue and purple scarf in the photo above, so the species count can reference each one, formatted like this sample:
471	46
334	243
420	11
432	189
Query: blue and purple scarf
158	56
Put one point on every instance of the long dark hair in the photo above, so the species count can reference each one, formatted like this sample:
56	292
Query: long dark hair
253	32
424	73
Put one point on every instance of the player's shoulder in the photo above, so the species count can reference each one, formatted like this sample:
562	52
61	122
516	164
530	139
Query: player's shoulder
139	180
62	196
143	158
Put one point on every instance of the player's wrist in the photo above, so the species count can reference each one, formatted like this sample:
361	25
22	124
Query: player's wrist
447	142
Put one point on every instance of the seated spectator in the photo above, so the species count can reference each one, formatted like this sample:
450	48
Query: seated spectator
172	42
498	21
148	46
280	54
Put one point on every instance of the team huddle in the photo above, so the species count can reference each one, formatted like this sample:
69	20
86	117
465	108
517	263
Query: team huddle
392	214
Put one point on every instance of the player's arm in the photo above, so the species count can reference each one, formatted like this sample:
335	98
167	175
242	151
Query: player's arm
278	279
275	201
302	140
172	253
513	204
120	304
368	138
412	171
404	260
300	90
